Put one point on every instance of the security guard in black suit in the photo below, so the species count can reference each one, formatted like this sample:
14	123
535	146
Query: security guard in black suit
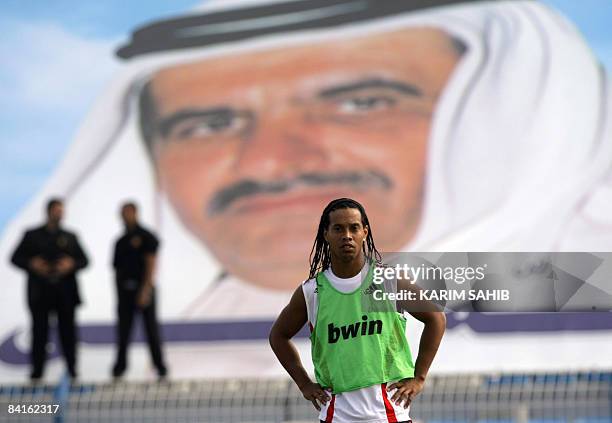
51	256
134	262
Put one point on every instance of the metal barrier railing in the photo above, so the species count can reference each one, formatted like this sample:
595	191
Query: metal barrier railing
504	398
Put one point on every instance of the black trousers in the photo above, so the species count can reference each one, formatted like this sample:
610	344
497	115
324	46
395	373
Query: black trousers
40	312
126	310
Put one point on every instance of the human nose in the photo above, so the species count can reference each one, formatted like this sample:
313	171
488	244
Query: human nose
282	143
347	235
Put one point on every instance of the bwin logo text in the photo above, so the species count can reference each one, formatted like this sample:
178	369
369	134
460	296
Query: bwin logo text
372	327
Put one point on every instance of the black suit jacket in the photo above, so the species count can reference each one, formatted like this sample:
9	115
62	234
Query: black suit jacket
51	246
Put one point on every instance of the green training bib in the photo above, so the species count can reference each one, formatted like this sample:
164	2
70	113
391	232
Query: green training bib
358	341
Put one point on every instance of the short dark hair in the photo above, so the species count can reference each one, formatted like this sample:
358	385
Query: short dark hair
52	202
129	204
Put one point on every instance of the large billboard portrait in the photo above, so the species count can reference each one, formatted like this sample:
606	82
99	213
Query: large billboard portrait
459	125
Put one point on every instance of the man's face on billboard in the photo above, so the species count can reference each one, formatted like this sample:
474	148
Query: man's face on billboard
251	147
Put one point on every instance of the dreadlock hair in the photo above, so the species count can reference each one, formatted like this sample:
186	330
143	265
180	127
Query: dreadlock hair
320	257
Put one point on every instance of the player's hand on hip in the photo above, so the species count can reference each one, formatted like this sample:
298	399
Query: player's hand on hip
315	394
406	390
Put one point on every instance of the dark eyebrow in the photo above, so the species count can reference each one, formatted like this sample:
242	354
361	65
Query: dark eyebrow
402	87
168	123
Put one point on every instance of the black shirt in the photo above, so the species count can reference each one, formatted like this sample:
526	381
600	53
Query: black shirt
130	252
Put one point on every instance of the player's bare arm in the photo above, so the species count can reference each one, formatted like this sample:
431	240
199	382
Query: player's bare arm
435	325
289	322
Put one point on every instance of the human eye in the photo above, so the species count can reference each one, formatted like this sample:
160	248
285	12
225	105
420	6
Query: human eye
361	104
208	125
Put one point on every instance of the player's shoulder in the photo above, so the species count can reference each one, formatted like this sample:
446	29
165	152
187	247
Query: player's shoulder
309	288
309	283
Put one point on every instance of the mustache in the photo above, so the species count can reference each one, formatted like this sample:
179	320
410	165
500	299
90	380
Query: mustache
249	187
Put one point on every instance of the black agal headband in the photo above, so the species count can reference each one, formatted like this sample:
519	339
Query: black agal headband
254	21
